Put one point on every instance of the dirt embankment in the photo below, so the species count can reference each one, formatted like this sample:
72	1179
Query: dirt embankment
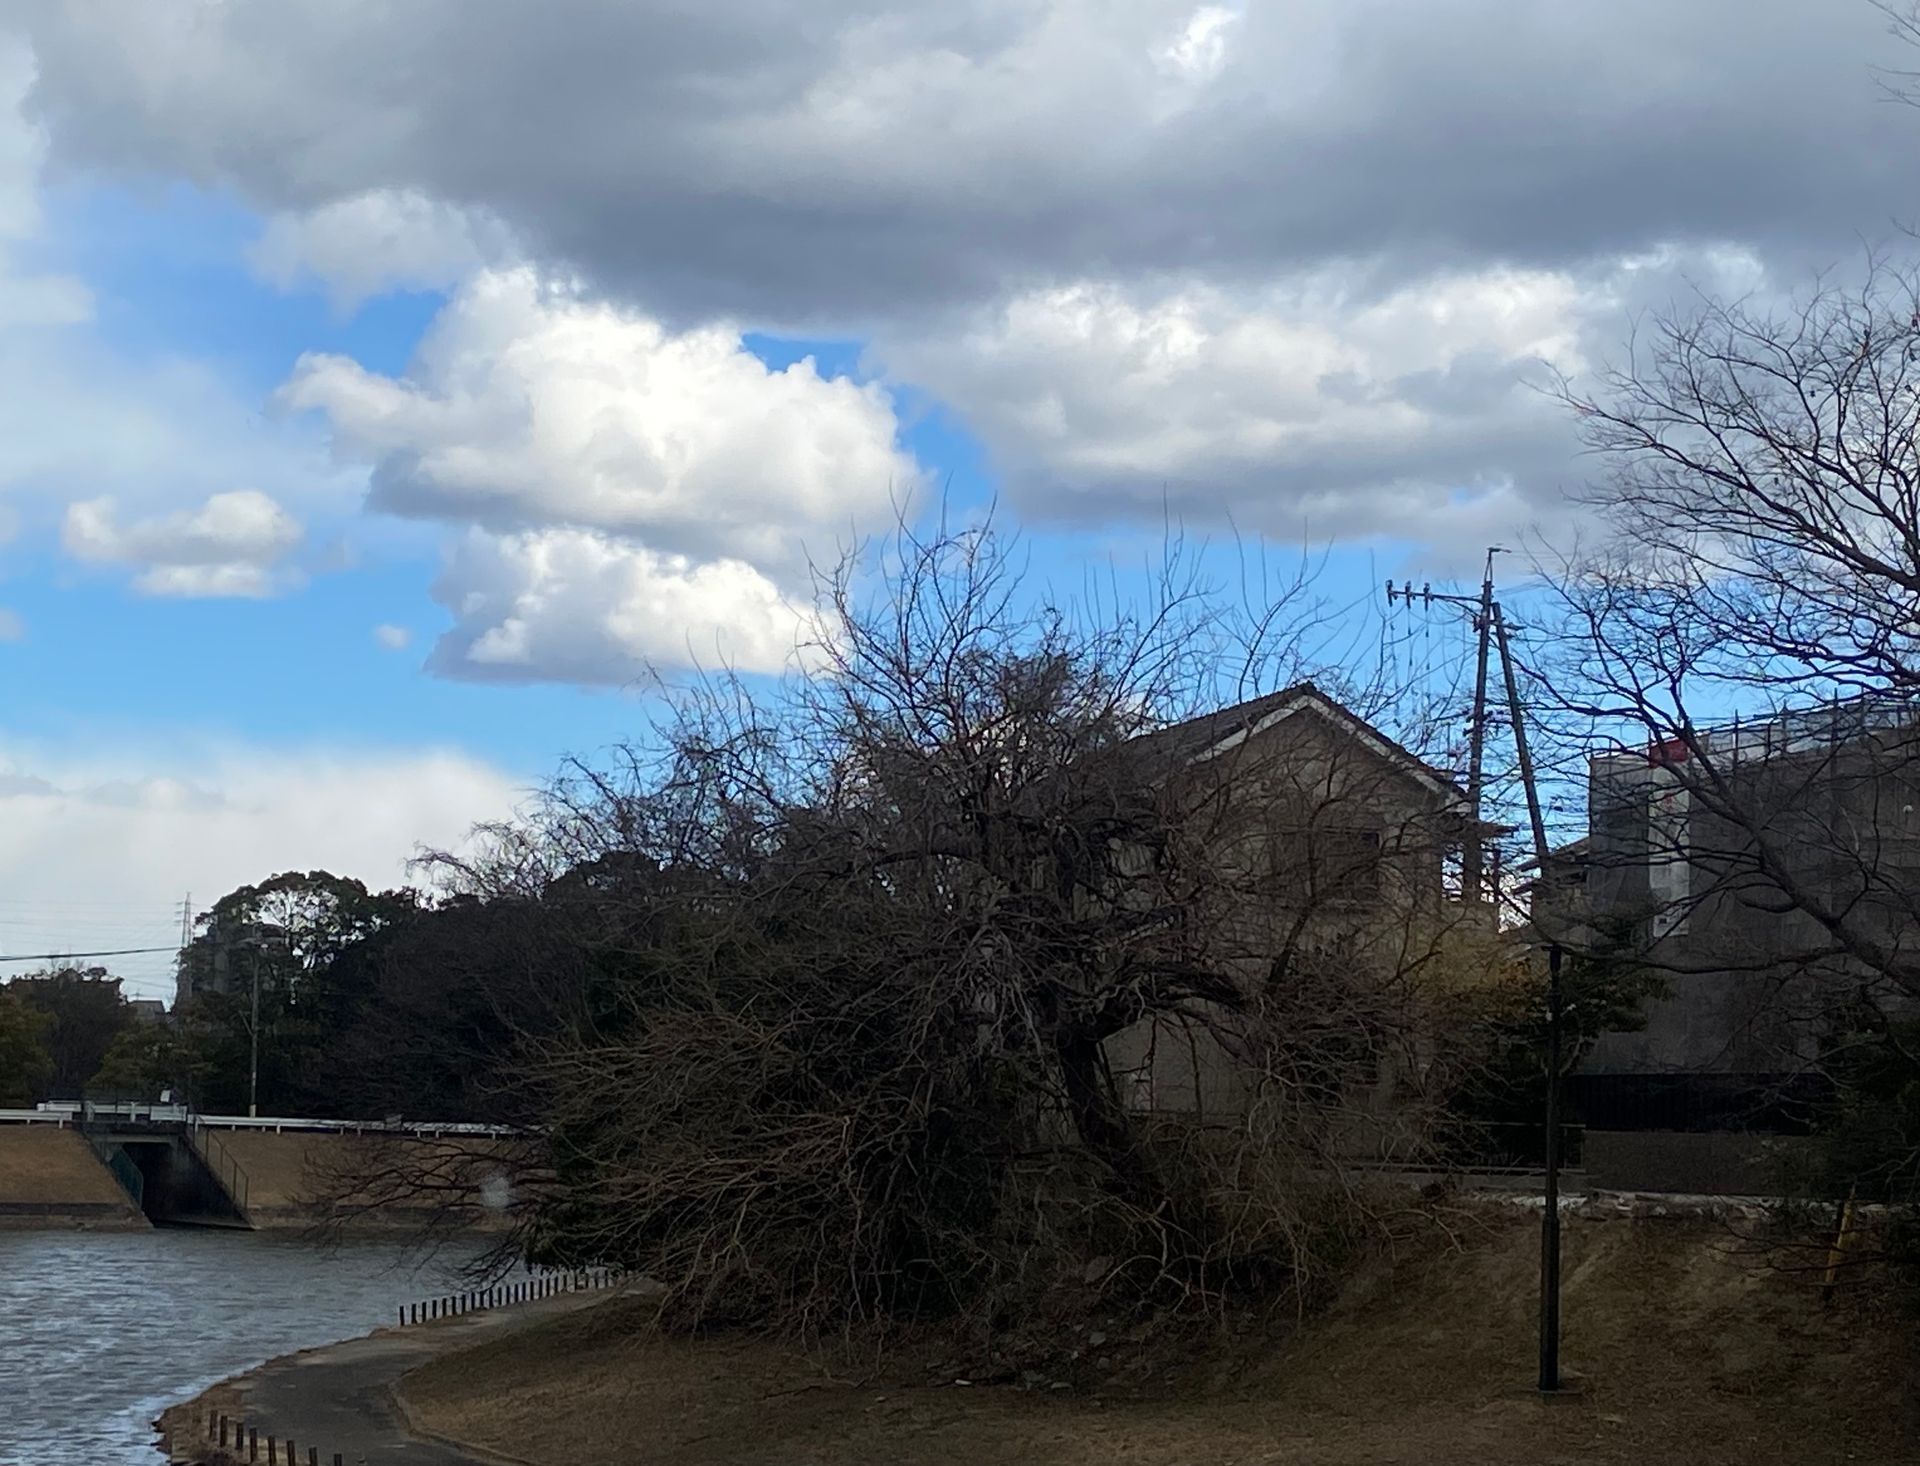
1689	1355
52	1177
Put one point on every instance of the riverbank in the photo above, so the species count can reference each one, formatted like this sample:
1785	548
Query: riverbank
1689	1354
340	1398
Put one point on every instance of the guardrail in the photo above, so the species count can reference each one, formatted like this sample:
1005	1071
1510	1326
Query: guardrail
60	1113
59	1119
426	1128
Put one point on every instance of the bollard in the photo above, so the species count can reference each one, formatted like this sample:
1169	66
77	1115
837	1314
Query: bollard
273	1458
313	1456
253	1443
223	1432
403	1315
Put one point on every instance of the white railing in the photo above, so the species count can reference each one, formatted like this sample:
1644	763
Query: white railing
278	1123
61	1113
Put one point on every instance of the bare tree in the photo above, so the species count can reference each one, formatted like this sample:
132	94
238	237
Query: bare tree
987	938
1739	651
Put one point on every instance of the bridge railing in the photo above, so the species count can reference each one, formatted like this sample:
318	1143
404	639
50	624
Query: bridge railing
226	1170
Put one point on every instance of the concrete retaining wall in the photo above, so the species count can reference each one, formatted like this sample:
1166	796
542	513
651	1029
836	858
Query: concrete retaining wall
52	1177
289	1173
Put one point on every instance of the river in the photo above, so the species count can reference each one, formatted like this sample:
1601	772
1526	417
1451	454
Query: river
101	1331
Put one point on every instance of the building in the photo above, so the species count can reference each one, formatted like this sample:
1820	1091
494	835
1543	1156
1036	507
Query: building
224	959
1336	844
1770	870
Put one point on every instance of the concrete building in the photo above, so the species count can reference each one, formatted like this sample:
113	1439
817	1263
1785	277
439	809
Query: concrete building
1771	871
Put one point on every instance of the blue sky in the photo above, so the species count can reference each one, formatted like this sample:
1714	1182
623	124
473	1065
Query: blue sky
384	392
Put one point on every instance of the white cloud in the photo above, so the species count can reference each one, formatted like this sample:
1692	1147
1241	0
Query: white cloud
577	606
380	240
1201	49
529	406
232	545
136	833
12	628
393	638
27	298
80	417
1302	404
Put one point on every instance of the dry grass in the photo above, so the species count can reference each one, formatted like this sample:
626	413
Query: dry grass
44	1166
1690	1356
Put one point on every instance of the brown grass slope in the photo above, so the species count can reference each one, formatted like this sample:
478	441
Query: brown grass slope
1690	1355
44	1166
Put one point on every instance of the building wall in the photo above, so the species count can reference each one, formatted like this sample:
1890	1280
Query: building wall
1716	867
1260	812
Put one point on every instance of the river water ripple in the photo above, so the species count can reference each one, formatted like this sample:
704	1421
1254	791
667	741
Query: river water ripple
100	1331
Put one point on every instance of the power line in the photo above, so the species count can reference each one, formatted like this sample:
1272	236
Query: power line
66	956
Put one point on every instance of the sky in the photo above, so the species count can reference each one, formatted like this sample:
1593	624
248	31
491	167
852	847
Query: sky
394	398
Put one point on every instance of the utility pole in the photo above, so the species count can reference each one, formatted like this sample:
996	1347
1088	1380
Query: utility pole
1472	861
1491	625
1550	1215
1483	609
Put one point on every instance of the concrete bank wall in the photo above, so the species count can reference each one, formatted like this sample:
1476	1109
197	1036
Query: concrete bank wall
291	1175
52	1177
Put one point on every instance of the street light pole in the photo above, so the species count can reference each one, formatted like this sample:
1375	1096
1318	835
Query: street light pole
253	1063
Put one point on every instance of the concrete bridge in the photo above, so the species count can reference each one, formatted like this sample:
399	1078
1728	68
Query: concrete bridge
93	1163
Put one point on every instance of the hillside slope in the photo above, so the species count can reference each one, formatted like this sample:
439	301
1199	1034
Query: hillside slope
1690	1355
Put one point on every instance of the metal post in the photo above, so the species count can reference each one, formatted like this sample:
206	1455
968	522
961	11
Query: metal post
1550	1217
253	1066
1550	1214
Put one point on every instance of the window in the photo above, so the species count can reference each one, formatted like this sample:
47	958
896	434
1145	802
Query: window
1325	866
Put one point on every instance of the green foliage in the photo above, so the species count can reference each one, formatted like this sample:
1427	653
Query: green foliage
147	1059
84	1012
1500	1110
299	938
25	1061
1869	1130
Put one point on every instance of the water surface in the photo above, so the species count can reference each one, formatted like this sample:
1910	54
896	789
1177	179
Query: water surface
100	1331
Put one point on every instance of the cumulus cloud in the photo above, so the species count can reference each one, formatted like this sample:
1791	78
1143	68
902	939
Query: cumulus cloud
393	638
376	241
1285	261
81	417
529	405
137	833
232	545
1299	406
847	159
576	606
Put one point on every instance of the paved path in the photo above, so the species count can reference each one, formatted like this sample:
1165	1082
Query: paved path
339	1398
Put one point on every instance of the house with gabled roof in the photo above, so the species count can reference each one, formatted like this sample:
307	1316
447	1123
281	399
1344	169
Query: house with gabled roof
1339	841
